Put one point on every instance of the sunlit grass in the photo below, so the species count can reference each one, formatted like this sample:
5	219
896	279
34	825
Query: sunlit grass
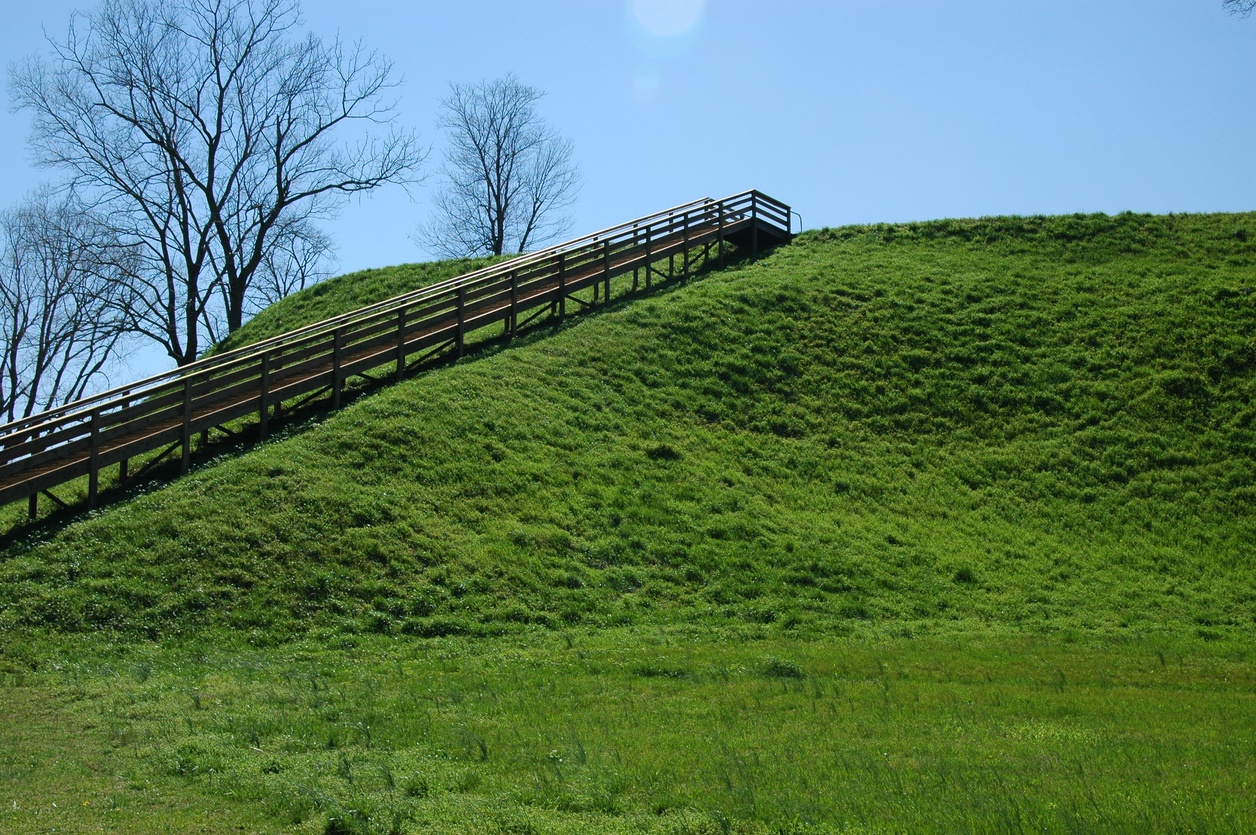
665	731
930	527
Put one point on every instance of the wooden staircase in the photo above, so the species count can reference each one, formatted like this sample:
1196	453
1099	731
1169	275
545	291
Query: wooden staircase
166	412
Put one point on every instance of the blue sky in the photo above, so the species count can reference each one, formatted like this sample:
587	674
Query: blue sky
850	110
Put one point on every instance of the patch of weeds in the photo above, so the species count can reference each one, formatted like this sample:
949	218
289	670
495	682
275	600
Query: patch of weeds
646	670
964	575
466	780
774	667
662	452
416	786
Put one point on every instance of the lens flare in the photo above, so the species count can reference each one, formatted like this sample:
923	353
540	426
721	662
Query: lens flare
667	18
645	86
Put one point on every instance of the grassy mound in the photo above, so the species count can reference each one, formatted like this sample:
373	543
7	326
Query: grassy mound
937	527
1036	424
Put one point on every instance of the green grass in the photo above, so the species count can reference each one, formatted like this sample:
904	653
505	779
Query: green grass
668	731
1021	448
60	773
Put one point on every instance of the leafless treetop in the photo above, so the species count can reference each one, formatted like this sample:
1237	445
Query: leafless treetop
213	133
507	174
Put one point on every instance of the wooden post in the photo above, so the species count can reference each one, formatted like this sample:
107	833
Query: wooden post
719	209
506	318
93	461
647	258
122	465
401	343
684	276
32	503
462	322
335	367
754	225
635	241
514	302
263	413
671	258
606	269
562	287
187	424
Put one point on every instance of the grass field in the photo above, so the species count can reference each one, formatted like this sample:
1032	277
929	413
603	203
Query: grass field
932	527
665	731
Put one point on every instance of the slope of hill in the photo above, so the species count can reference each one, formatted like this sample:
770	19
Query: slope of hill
985	430
1041	423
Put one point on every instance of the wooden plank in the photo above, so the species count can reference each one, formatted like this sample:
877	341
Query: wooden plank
12	472
44	481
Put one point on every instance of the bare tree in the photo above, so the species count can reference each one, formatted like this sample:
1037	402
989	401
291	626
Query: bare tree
61	302
507	174
1242	8
293	261
208	131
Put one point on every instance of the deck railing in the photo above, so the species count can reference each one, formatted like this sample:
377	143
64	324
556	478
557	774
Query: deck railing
167	410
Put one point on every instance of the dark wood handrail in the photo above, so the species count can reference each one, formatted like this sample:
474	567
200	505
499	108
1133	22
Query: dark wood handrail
519	263
166	409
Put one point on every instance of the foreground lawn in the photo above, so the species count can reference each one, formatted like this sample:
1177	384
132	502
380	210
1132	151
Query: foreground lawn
61	772
650	731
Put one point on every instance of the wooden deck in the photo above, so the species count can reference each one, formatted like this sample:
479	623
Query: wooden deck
167	411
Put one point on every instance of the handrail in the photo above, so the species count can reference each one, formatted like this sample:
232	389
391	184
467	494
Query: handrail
414	295
83	436
320	328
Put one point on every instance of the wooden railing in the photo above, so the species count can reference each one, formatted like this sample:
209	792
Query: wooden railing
168	410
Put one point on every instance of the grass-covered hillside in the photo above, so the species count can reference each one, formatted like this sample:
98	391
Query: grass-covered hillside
813	506
1040	424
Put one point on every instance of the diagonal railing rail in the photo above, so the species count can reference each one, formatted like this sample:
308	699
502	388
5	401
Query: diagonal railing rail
168	410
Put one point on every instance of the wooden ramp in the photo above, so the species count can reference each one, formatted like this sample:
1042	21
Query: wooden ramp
165	412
